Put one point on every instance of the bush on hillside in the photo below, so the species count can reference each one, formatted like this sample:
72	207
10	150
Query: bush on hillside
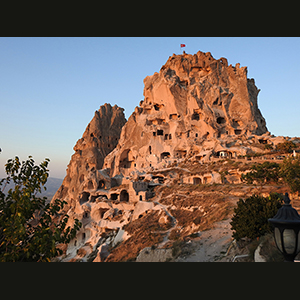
251	215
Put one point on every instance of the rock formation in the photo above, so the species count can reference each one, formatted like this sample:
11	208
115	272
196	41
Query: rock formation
195	109
194	100
99	139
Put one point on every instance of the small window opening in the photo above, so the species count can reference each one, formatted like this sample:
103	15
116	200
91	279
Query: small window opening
90	185
114	196
195	116
237	131
84	197
101	185
124	196
165	155
81	179
221	120
196	180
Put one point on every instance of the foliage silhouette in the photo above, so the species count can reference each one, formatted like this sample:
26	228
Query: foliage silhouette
30	229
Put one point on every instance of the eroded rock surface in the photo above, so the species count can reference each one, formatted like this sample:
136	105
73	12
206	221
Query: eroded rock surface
191	106
84	170
195	110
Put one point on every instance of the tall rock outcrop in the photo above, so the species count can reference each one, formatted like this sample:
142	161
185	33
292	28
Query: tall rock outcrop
194	99
99	139
195	109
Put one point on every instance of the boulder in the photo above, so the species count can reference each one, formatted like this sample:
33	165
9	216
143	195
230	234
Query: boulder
154	255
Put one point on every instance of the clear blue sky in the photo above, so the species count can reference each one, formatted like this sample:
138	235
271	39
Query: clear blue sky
51	87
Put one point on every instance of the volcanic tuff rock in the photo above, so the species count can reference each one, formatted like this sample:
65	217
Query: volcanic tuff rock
99	139
195	109
192	100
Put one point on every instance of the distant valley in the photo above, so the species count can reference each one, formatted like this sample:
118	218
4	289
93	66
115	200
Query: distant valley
52	186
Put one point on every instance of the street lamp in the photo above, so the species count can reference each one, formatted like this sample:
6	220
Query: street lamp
287	227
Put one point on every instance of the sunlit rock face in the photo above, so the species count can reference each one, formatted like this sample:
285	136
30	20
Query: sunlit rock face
194	99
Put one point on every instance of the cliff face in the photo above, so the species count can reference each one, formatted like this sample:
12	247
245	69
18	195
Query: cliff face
99	139
195	110
192	100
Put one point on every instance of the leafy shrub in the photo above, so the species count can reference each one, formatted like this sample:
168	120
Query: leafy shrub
290	172
285	147
251	215
262	173
29	229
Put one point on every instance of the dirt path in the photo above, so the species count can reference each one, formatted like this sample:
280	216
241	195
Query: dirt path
174	221
211	245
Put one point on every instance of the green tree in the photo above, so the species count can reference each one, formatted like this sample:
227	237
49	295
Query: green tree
30	230
290	172
251	216
285	147
262	173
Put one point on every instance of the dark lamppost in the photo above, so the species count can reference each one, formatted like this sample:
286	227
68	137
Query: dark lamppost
287	227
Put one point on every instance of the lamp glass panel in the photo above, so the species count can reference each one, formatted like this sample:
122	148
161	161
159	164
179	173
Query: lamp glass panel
289	240
298	246
278	238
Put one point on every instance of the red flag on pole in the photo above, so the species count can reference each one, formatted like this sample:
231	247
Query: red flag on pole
182	45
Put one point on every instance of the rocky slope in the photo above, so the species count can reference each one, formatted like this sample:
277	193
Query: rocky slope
99	139
147	183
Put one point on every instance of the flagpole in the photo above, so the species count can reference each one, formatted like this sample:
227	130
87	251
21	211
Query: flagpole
181	46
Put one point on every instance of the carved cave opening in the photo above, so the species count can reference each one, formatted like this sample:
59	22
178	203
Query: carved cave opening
207	180
160	132
124	196
168	136
180	153
195	116
102	211
84	197
114	196
81	178
221	120
173	116
126	159
101	185
238	131
164	155
262	141
90	185
217	102
196	180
